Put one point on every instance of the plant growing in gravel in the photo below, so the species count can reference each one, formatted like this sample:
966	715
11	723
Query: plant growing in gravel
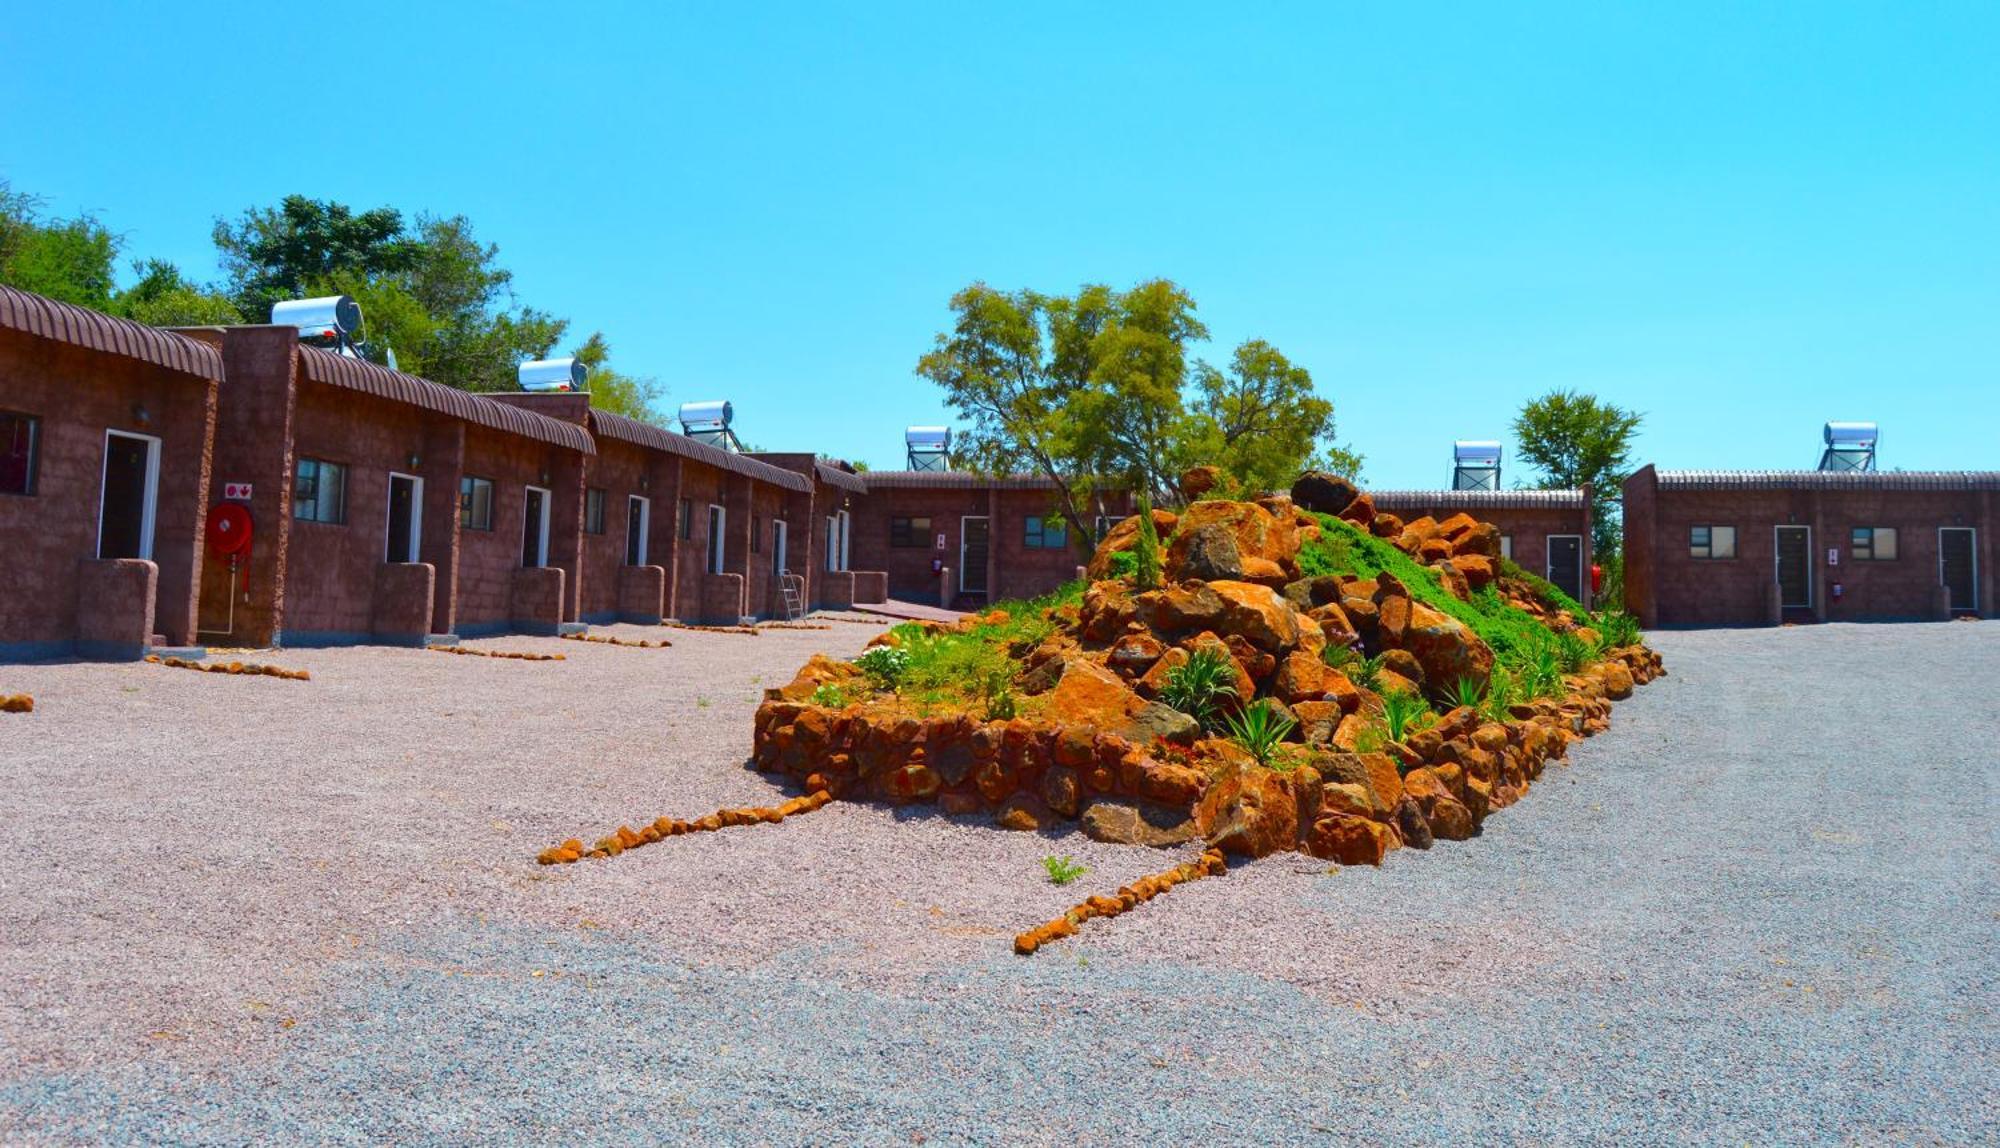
830	696
1199	686
1259	729
1401	711
1062	870
884	665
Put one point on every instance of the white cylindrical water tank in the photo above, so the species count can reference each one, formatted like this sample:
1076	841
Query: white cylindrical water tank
327	317
552	375
706	416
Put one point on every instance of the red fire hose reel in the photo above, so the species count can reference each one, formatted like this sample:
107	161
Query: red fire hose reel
229	533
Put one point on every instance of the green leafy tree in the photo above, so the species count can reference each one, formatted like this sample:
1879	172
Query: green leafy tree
632	396
432	292
65	259
1573	439
163	297
1099	388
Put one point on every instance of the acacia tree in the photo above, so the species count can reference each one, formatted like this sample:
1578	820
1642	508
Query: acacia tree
629	395
1573	439
1099	388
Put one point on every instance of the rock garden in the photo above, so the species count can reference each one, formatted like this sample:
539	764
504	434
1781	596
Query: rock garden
1291	673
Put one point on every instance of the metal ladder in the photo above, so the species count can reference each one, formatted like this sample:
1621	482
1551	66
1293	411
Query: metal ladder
792	589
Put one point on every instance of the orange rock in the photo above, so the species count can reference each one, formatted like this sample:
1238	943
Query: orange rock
1259	614
1301	677
1350	840
1250	811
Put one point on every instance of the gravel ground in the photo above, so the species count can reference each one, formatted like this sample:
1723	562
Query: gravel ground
1761	909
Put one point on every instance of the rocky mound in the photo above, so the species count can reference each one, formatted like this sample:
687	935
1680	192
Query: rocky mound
1307	674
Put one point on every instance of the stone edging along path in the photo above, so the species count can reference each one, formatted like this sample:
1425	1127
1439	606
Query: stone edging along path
252	668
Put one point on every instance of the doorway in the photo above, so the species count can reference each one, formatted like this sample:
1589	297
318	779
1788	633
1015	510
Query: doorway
406	518
130	495
1566	564
1958	567
718	549
1795	567
780	535
974	544
535	528
638	525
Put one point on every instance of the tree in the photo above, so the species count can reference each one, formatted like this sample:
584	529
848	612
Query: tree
1098	388
1573	439
632	396
433	293
65	259
163	297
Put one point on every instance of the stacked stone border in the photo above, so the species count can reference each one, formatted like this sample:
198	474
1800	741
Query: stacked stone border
515	655
625	837
252	668
1211	863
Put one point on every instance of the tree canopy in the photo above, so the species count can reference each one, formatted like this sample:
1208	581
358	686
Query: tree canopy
1099	388
1574	439
74	260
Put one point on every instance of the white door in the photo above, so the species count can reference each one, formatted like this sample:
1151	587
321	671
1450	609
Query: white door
129	496
406	518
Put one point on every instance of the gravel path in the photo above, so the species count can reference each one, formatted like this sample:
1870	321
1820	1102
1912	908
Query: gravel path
1761	909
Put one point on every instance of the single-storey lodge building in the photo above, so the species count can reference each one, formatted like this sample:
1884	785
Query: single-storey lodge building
1545	532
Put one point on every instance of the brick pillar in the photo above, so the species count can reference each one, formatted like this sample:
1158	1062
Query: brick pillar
441	467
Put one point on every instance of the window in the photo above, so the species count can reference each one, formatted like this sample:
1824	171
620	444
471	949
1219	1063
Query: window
1873	543
593	511
1047	532
475	503
1507	547
20	438
715	539
638	522
687	518
1105	523
320	493
906	533
1711	542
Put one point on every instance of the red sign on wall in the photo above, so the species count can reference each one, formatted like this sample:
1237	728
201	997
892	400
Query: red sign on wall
236	491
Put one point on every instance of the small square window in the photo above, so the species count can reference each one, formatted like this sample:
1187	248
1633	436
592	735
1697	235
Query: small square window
907	533
593	511
20	442
1105	524
1873	543
1711	542
475	503
1046	532
319	493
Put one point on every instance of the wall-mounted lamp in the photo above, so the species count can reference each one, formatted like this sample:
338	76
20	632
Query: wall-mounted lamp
545	478
141	415
645	481
415	461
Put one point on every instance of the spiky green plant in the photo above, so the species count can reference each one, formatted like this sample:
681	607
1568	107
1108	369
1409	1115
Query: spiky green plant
1062	870
1199	686
1501	694
1616	629
1002	703
1467	691
1260	729
1401	711
1572	651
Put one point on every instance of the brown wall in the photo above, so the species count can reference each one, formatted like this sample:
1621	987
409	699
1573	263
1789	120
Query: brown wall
1667	587
1014	571
253	444
487	559
79	394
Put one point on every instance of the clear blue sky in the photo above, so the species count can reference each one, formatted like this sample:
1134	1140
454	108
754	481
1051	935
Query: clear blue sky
1740	219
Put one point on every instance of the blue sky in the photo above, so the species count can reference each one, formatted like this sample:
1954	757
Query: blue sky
1740	219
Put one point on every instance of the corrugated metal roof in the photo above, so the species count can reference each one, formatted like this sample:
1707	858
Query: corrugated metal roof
38	315
1830	480
361	375
1477	499
844	479
659	438
954	480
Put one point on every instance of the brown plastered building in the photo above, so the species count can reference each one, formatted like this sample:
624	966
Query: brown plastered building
1545	532
820	549
969	538
364	529
105	427
1751	548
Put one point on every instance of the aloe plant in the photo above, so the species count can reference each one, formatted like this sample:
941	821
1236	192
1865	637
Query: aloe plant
1467	692
1199	686
1260	729
1401	711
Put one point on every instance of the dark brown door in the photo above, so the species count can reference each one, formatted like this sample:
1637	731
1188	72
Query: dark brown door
1794	566
534	528
974	543
1956	568
402	517
1566	564
128	464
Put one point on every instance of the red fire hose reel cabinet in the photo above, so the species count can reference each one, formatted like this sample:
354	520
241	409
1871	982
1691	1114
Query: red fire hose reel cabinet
229	534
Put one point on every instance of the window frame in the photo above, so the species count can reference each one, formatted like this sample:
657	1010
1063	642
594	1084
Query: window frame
298	480
1035	533
30	473
468	490
1704	551
912	537
1871	551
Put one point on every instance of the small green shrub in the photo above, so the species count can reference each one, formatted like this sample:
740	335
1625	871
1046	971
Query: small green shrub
1466	692
1572	651
884	665
1062	870
1501	693
1146	549
830	696
1199	686
1402	712
1537	666
1616	629
1370	739
1125	564
1260	729
1001	701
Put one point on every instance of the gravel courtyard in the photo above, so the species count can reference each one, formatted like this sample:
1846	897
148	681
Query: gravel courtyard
1761	909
